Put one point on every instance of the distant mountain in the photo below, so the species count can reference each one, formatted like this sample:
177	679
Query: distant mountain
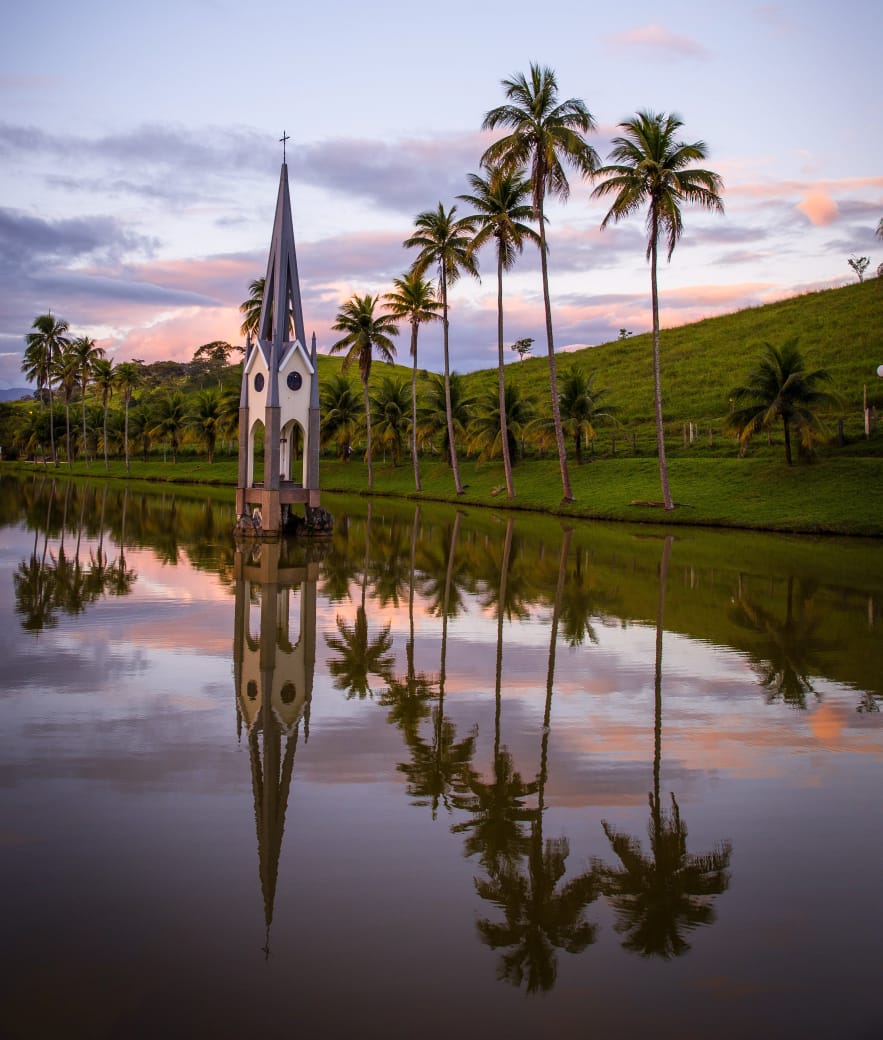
15	393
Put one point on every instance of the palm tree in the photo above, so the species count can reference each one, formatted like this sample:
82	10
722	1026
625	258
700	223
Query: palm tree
391	406
128	376
65	366
413	301
169	420
779	387
444	244
342	412
545	134
444	400
47	340
492	432
251	308
86	352
365	332
104	378
501	209
205	419
581	407
651	167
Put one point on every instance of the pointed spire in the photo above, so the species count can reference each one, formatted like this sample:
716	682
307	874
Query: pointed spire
281	287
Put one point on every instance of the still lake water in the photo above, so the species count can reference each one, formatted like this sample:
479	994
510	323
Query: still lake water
450	774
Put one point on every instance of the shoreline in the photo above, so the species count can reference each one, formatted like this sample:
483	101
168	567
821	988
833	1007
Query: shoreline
837	496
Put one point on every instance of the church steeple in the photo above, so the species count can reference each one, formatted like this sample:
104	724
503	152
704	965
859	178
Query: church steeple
281	300
280	395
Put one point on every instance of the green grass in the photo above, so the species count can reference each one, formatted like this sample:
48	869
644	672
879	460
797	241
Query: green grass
839	496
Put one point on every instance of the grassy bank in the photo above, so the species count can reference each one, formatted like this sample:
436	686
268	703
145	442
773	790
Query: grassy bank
841	495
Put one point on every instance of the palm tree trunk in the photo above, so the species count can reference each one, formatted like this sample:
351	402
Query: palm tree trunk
126	434
567	494
448	407
787	428
104	402
368	433
85	445
504	432
414	327
657	379
51	414
67	431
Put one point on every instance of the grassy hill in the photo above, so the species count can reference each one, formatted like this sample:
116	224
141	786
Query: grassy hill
838	329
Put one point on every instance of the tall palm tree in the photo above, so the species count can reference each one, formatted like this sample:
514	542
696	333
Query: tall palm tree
251	308
652	167
501	209
545	136
364	332
780	387
66	368
413	301
47	340
86	352
444	243
128	377
104	377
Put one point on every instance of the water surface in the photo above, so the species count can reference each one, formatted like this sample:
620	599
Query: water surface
452	773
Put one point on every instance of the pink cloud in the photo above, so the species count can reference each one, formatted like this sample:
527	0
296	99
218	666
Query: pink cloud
819	208
657	38
176	337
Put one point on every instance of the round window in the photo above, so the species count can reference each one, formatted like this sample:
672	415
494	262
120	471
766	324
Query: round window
294	381
259	382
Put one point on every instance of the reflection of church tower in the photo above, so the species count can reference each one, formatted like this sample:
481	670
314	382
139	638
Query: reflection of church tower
274	684
280	392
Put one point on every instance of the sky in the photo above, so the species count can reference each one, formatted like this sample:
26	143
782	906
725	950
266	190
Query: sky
140	160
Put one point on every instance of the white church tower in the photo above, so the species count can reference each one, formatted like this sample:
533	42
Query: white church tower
279	398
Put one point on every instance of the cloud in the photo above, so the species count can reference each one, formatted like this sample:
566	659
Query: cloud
28	241
405	176
656	39
819	208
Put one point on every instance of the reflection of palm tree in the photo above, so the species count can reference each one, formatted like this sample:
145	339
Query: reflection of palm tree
361	656
497	809
539	917
660	896
407	695
439	770
783	656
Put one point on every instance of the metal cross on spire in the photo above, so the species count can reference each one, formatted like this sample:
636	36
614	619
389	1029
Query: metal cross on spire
283	139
